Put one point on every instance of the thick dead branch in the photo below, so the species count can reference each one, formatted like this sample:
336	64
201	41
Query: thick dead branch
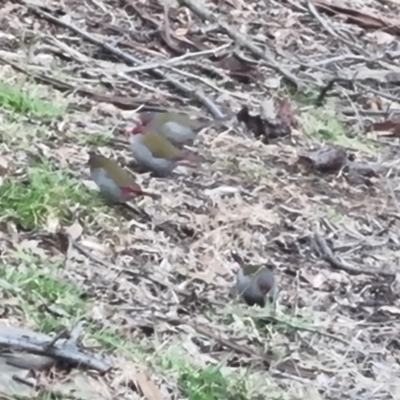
243	40
61	349
130	60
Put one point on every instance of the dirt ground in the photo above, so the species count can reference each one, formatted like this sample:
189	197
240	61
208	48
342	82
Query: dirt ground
152	284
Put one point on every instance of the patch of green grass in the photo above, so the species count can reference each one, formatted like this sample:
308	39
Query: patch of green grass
28	103
324	125
113	341
43	193
203	383
34	280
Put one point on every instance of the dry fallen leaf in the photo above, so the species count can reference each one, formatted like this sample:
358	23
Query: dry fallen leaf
3	166
181	32
75	230
52	223
148	388
388	128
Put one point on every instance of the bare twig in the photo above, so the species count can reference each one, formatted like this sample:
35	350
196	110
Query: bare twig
176	60
392	195
63	334
129	59
198	8
328	256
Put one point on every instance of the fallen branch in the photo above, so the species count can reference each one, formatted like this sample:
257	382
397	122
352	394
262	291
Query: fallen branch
41	344
241	39
329	257
130	60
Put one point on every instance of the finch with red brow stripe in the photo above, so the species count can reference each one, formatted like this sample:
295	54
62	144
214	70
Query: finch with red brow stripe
153	152
177	128
116	185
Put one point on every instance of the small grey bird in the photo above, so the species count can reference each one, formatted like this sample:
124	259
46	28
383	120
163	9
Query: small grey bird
255	284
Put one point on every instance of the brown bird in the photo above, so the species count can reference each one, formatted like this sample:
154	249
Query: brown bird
155	153
115	184
179	129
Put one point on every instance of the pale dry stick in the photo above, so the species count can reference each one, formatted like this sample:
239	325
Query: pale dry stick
336	59
176	60
144	85
75	54
100	5
379	93
325	24
209	68
392	195
243	40
196	94
206	82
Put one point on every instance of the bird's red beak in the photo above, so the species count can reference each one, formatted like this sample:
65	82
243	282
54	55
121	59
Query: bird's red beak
135	130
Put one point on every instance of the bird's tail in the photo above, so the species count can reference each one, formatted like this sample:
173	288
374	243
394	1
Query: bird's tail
152	195
133	191
189	157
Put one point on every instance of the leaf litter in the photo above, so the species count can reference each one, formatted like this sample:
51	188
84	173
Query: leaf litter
160	273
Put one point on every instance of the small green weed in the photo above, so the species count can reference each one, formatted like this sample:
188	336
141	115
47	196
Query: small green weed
26	103
334	215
